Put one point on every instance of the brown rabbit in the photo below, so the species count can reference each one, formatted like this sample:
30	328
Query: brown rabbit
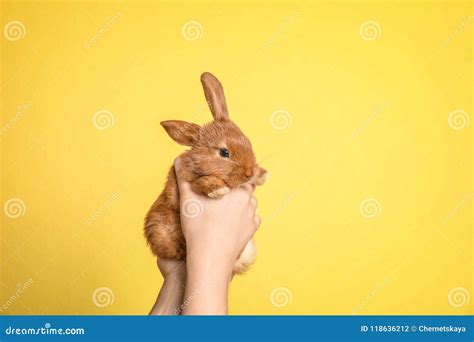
220	159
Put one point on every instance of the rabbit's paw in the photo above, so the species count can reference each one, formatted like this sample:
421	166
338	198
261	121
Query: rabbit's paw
219	192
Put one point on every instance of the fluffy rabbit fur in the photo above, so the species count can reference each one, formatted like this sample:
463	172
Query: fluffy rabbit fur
209	169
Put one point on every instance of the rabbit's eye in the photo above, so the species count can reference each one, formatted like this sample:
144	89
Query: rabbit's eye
224	152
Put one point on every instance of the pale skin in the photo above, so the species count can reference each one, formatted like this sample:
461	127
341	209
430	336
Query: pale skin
214	240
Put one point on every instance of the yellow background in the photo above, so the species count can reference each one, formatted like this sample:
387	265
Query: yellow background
369	119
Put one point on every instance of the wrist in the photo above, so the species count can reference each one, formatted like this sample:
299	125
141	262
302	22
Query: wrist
176	274
177	277
207	286
210	263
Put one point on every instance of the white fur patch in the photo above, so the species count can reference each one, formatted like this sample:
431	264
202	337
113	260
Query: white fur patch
219	192
246	258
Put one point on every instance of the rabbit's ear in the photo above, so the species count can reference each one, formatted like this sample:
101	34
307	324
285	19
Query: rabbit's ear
182	132
214	96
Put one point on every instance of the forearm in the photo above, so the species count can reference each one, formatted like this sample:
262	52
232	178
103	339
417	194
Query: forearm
170	298
207	286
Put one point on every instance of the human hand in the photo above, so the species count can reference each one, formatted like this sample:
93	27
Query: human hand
217	229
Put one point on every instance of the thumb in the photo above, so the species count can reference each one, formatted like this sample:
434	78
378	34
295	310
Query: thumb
184	187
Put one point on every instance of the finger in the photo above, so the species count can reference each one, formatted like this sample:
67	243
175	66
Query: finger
184	187
257	220
243	194
253	202
248	187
